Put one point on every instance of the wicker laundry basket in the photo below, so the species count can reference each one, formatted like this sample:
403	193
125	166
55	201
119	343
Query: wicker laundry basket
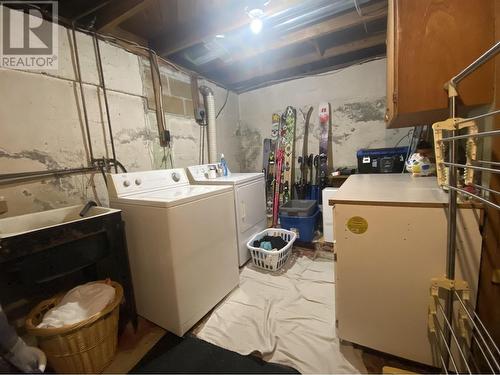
85	347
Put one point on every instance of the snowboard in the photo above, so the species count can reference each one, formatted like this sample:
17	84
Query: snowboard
325	121
289	119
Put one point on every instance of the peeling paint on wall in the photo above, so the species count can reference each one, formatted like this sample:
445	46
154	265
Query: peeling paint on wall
363	111
35	155
250	141
357	97
42	124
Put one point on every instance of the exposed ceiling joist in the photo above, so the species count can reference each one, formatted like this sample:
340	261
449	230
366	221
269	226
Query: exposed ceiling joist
248	72
258	83
371	12
117	12
195	31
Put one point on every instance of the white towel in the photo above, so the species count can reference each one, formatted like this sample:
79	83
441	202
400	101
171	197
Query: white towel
79	304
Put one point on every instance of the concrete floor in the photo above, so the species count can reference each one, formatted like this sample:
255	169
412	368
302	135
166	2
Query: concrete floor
363	359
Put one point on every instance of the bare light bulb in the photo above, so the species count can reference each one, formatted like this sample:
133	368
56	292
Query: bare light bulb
256	25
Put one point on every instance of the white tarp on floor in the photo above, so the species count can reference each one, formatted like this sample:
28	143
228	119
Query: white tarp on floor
288	318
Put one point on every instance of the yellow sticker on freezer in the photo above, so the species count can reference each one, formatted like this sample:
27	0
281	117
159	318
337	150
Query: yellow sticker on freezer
357	225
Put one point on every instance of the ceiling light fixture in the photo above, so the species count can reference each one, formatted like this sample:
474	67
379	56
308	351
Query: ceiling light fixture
256	25
256	13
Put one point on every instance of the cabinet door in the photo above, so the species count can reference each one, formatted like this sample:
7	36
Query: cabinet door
391	64
430	41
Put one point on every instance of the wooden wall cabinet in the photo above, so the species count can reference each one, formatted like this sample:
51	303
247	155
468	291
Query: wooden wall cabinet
428	42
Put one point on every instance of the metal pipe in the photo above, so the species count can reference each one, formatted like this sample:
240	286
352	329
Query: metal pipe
158	93
476	167
478	117
485	188
449	355
9	178
452	225
483	200
450	328
84	104
105	94
477	329
487	162
488	55
440	353
92	10
490	133
483	353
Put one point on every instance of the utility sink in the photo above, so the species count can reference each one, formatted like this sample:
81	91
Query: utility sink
23	224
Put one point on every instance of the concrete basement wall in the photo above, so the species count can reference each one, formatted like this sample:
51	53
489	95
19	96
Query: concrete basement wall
42	126
357	97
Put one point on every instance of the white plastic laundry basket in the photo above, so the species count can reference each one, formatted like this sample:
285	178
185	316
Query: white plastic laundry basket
269	259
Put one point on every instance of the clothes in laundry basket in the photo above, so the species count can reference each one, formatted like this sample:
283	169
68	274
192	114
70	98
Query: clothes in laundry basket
276	242
266	245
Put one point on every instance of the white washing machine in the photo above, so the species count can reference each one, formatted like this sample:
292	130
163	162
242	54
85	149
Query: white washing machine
182	260
249	202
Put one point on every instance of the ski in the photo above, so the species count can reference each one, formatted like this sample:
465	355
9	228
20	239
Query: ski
302	186
268	169
278	167
271	164
325	120
289	119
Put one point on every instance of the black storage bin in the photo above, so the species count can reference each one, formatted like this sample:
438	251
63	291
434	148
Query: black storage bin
382	160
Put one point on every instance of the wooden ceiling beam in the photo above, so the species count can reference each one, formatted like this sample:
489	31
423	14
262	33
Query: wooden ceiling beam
238	73
249	85
118	12
221	21
370	12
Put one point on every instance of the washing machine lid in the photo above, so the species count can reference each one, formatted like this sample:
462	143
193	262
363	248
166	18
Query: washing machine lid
171	197
199	175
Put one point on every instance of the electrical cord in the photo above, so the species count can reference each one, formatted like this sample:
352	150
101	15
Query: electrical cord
225	102
407	135
299	76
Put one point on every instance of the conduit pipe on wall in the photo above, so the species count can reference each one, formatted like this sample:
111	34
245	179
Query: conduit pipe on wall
208	99
158	93
105	94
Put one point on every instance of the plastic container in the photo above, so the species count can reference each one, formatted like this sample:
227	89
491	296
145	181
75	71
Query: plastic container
328	193
85	347
382	160
223	164
271	260
298	207
303	226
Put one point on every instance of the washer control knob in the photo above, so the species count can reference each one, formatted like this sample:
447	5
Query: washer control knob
176	177
126	183
138	181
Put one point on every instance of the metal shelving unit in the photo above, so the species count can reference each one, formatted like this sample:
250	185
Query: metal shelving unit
462	342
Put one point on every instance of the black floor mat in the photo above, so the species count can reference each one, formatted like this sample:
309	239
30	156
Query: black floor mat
192	355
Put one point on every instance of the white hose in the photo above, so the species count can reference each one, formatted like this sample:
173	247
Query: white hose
208	100
212	132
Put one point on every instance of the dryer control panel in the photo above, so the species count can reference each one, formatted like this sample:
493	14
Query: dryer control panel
205	172
123	184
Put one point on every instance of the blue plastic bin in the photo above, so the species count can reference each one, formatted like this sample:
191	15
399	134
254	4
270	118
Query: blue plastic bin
304	226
